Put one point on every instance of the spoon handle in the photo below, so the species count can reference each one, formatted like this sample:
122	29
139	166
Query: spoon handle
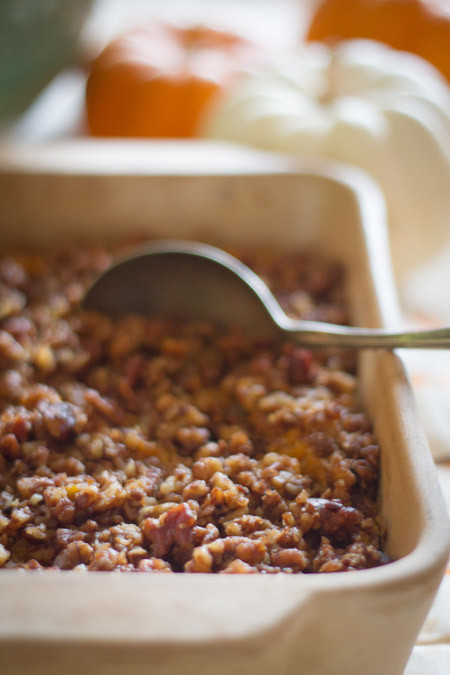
328	335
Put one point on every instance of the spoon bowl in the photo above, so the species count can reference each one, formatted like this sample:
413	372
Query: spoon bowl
192	280
188	280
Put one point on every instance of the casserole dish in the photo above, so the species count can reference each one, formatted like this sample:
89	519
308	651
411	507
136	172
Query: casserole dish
365	621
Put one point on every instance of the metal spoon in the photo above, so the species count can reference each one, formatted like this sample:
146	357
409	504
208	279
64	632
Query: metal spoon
194	280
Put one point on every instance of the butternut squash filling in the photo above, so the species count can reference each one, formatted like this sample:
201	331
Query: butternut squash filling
151	445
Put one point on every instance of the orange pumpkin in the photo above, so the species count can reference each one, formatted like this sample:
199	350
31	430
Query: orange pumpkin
418	26
159	80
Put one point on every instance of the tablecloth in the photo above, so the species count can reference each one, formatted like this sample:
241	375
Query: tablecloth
425	295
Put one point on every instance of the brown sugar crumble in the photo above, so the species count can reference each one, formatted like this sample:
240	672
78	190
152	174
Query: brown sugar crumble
150	445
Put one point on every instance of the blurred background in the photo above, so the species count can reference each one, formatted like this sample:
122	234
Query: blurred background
47	46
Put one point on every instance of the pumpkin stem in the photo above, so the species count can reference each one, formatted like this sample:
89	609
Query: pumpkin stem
331	79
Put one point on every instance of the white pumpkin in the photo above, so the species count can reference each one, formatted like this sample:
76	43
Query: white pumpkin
385	111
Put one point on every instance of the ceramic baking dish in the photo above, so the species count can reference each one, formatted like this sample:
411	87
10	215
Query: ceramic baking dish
353	623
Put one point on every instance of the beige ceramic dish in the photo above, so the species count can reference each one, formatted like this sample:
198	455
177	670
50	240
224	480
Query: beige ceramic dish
356	623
